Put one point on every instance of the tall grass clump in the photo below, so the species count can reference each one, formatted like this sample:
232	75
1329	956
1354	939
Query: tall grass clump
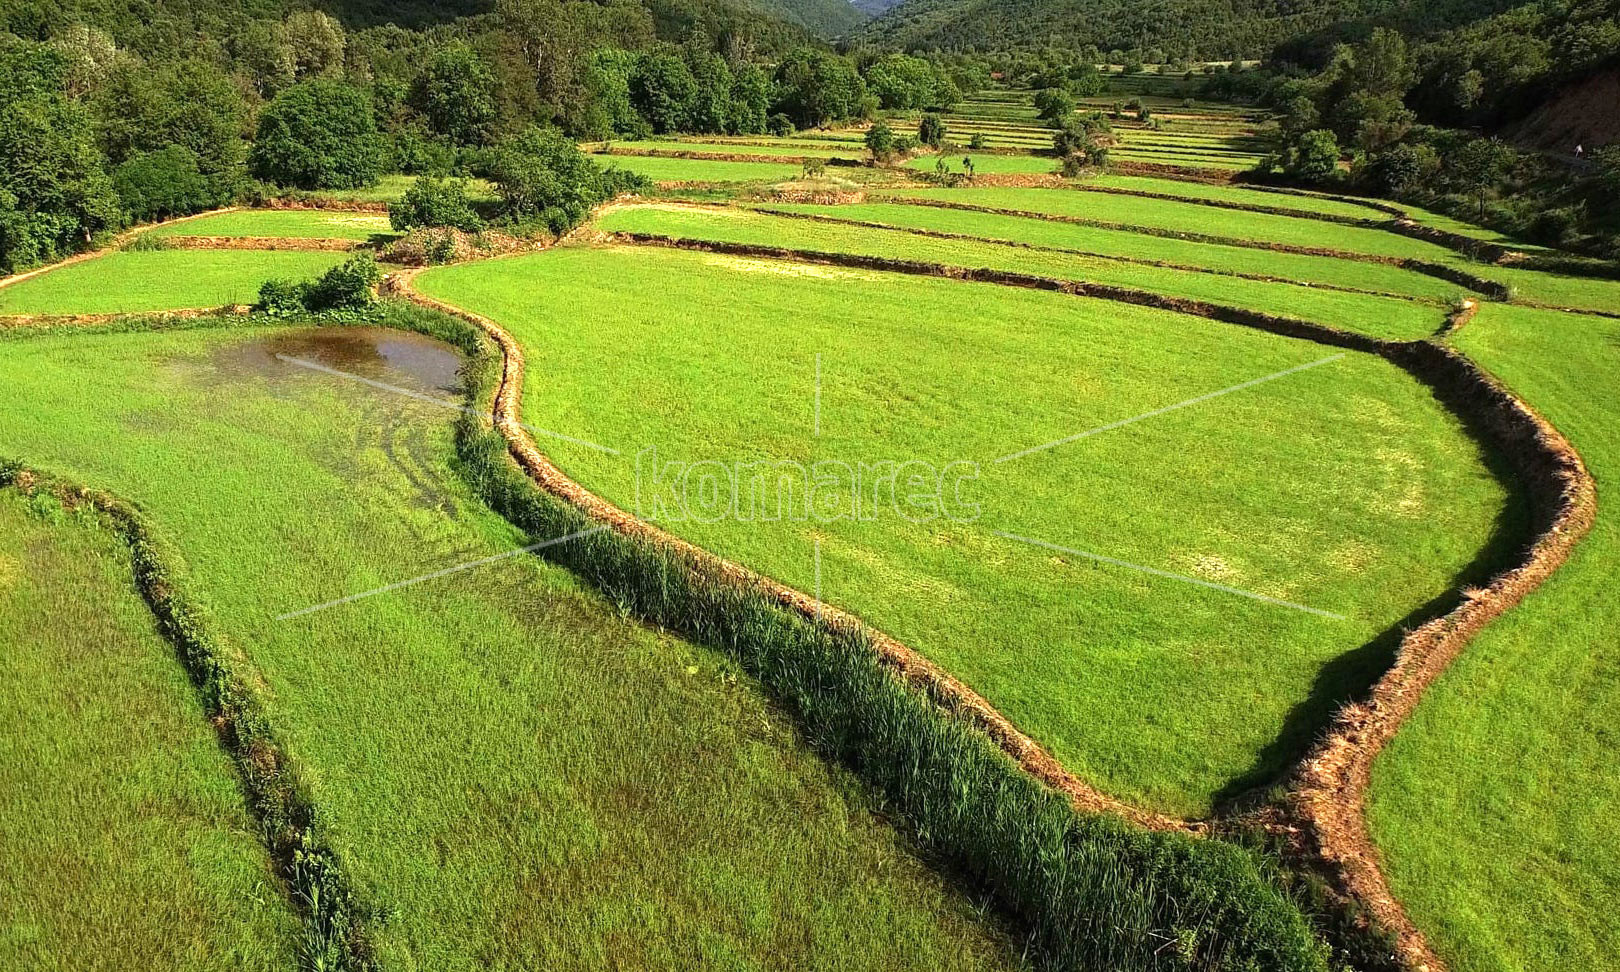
1086	891
334	919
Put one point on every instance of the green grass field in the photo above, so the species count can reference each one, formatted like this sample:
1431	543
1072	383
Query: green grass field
288	223
1300	267
129	282
756	147
701	170
987	164
1384	316
391	187
1160	701
1236	194
1192	218
126	842
1493	808
518	775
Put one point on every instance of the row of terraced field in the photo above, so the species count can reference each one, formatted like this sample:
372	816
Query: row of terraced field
1194	510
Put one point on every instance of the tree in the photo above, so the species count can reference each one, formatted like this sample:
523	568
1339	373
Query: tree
1401	169
709	108
880	141
455	92
816	87
317	43
1054	105
662	90
1315	157
543	176
144	109
55	195
1479	166
318	135
750	101
931	130
432	202
164	183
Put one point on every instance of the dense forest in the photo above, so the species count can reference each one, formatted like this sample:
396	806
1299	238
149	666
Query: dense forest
112	114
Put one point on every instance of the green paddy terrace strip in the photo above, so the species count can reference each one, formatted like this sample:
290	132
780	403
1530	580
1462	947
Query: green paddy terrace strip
1493	807
1197	192
1391	317
925	380
697	171
1194	222
518	777
1106	243
681	148
126	841
132	282
281	224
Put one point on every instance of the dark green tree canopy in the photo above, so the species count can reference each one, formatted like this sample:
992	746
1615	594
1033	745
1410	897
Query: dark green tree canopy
318	135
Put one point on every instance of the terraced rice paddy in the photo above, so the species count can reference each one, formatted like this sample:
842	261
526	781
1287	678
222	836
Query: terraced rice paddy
131	282
924	380
113	789
282	223
518	776
1374	314
1492	807
1168	549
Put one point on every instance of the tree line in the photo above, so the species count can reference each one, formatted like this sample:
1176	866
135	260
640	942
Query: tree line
96	134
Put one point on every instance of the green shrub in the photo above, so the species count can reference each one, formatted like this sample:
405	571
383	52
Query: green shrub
282	298
976	143
164	183
931	130
780	125
318	135
543	176
435	202
350	284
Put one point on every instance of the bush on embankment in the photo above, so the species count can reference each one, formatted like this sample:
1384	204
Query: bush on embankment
1087	891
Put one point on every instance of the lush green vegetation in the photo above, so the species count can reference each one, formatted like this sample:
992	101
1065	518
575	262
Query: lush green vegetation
599	744
284	223
113	788
128	282
1153	681
1384	316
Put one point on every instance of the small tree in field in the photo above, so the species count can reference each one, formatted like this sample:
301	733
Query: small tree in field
1479	166
931	130
318	135
1315	157
880	141
434	202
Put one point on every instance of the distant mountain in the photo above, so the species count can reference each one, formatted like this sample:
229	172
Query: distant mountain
825	18
1207	28
874	8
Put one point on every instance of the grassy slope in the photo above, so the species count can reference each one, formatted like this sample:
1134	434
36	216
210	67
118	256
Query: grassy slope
1193	218
1344	488
126	842
131	282
300	223
527	780
1386	316
757	147
989	164
1494	807
391	187
1290	266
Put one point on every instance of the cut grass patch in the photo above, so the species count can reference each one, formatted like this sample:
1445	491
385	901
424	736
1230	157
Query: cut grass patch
126	840
131	282
1139	684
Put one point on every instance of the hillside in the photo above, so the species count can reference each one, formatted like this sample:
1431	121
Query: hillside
1201	28
825	18
1583	113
